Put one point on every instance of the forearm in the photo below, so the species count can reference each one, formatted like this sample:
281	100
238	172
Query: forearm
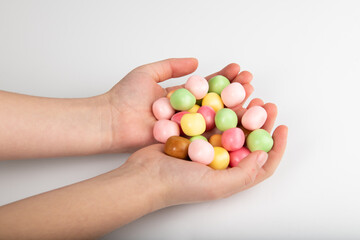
32	127
85	210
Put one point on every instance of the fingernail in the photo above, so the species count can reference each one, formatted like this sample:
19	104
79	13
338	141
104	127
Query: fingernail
261	158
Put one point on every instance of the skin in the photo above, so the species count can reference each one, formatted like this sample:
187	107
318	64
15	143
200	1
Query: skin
149	180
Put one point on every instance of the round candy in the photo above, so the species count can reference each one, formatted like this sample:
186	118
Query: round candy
170	93
209	115
162	108
218	83
194	109
163	129
213	100
198	137
193	124
177	147
225	119
259	139
201	151
233	94
198	86
238	155
254	118
182	99
221	159
215	140
233	139
177	118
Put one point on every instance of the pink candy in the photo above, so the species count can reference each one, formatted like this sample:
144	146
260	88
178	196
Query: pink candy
201	151
177	118
238	155
209	115
198	86
254	118
233	94
162	108
233	139
163	129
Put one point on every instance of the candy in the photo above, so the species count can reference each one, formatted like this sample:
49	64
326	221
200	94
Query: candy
201	151
198	137
238	155
221	159
193	124
170	93
259	139
209	115
177	147
213	100
233	94
218	83
215	140
162	108
182	99
163	129
225	119
233	139
198	86
177	118
254	118
194	109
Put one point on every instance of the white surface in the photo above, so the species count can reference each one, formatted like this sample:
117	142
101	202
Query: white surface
304	56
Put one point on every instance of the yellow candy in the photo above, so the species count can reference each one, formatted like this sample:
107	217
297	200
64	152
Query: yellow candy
215	140
194	109
193	124
221	159
213	100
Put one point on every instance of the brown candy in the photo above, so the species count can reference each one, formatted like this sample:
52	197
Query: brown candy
177	147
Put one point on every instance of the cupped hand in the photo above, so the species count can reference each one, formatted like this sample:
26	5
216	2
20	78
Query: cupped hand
186	181
129	102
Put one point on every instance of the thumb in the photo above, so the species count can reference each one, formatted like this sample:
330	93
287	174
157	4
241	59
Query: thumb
168	68
243	175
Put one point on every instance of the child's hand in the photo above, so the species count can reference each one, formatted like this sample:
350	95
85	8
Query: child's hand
185	181
130	101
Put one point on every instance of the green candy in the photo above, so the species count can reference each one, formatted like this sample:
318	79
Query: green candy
226	118
218	83
259	139
198	137
182	100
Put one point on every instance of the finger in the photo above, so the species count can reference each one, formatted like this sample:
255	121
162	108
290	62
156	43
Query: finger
230	72
255	102
237	178
271	111
169	68
244	77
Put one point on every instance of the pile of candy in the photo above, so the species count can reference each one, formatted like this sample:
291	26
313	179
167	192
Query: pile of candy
199	108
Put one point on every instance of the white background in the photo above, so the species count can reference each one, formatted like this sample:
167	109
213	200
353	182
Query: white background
304	56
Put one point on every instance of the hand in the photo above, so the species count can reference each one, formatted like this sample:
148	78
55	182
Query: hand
185	181
130	101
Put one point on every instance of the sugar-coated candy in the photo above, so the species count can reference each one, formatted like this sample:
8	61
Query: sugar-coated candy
221	159
198	86
163	129
238	155
254	118
198	137
177	147
182	99
209	115
213	100
233	94
218	83
233	139
215	140
201	151
226	118
194	109
177	118
162	108
259	139
193	124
